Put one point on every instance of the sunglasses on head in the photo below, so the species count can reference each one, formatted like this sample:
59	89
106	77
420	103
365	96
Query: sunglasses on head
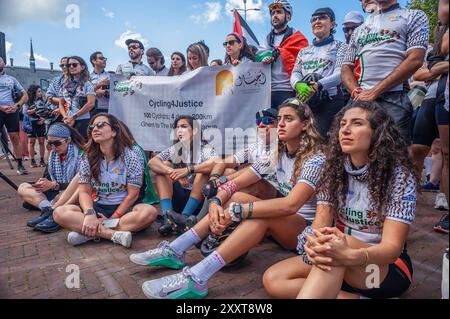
265	121
231	42
56	143
73	65
275	6
319	18
98	125
347	29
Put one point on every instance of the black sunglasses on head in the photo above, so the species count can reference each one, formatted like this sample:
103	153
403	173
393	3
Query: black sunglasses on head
98	125
56	143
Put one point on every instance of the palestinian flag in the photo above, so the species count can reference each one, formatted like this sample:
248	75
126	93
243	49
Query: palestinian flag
241	27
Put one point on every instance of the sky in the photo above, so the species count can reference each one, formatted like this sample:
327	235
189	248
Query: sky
170	25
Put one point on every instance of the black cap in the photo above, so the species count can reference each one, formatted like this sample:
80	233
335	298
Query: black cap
271	113
130	41
328	11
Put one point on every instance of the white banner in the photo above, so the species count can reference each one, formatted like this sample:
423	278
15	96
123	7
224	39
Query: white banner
220	98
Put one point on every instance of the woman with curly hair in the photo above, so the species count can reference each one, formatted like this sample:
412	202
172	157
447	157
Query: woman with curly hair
294	171
369	188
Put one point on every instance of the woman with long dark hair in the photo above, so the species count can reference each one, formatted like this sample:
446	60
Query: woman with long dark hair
294	171
237	50
111	178
178	65
181	171
368	187
35	101
66	146
78	94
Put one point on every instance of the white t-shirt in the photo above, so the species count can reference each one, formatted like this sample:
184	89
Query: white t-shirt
280	176
253	153
357	217
380	45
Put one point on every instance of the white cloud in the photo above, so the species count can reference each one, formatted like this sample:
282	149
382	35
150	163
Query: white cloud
252	15
108	14
9	46
212	13
13	12
120	42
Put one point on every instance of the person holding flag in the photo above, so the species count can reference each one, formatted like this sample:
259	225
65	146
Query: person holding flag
281	49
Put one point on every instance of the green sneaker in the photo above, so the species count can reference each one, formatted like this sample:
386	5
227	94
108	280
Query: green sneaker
163	256
180	286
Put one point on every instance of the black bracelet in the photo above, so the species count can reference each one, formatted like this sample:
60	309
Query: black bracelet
216	200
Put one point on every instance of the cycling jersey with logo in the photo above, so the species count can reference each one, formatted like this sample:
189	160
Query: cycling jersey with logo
102	101
310	173
380	45
181	157
7	85
115	176
358	218
73	102
138	69
253	153
323	60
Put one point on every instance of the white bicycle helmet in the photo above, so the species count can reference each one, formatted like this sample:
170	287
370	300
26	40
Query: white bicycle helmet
285	4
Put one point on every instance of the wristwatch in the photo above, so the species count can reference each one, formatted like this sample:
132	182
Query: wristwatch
75	116
90	212
236	212
223	180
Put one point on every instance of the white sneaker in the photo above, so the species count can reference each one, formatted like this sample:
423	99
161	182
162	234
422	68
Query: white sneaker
76	239
123	238
441	202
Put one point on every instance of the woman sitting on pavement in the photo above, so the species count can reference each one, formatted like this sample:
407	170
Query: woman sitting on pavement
369	189
182	170
63	165
111	177
238	50
297	166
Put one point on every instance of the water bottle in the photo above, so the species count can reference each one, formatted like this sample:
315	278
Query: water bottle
417	95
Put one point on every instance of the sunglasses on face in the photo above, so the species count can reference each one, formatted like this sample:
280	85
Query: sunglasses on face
103	58
134	47
231	43
98	125
321	17
56	143
63	66
265	121
348	29
73	65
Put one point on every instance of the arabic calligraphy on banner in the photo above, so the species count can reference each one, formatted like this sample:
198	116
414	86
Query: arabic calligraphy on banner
223	99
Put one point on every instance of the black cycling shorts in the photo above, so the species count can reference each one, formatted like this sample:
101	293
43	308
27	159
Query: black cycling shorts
38	130
11	121
425	129
441	115
397	282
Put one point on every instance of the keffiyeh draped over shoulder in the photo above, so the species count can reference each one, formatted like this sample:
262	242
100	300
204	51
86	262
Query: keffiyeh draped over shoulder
63	172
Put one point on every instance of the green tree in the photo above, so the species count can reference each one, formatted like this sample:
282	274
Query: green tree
430	7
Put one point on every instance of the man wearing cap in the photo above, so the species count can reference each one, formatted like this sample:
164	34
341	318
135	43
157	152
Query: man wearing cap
280	50
317	73
384	52
352	20
135	67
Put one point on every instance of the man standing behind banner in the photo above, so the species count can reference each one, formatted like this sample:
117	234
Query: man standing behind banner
135	66
281	49
101	81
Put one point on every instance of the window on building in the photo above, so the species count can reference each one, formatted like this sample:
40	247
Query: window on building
44	84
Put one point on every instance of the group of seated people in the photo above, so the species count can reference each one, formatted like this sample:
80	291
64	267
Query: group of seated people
342	207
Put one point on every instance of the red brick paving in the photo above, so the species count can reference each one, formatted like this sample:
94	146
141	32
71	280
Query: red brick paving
32	265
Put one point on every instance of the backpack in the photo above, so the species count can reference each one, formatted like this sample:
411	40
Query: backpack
26	124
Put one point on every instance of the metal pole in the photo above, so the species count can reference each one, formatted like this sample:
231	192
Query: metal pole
245	10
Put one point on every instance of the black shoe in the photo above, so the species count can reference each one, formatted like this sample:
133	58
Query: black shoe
191	221
48	226
42	163
178	221
33	164
21	170
165	230
46	213
29	206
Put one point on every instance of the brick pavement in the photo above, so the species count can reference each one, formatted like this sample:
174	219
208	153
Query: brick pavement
33	265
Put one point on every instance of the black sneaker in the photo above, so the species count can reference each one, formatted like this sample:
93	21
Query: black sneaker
178	221
21	170
191	221
33	164
48	226
442	226
42	163
46	213
165	229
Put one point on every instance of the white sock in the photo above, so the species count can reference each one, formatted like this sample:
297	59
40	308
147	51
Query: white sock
185	241
208	267
44	204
